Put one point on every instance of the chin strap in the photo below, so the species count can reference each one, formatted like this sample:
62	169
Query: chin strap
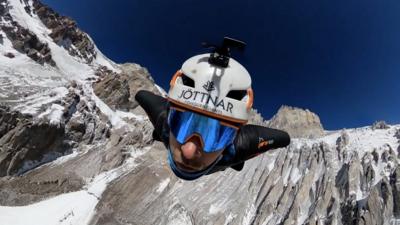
189	175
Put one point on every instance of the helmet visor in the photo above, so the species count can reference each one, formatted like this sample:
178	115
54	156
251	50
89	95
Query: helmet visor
214	134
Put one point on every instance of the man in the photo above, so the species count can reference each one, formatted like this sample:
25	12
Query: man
202	123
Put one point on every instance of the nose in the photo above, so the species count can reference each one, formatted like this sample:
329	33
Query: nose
191	148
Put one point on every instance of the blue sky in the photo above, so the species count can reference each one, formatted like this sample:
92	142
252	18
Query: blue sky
339	59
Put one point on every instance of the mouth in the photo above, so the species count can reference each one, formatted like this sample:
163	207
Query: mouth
186	167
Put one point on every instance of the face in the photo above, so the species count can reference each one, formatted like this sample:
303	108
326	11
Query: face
190	156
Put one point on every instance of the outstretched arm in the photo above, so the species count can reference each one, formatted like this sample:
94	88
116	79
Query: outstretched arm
156	108
253	140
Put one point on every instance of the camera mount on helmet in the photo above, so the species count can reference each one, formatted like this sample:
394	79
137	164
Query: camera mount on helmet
221	54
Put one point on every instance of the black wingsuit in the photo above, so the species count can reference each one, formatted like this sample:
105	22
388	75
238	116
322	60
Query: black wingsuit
250	141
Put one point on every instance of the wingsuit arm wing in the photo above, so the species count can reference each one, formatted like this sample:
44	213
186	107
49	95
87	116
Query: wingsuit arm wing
253	140
156	108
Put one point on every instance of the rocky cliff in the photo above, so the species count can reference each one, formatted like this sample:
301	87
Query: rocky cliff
75	148
297	122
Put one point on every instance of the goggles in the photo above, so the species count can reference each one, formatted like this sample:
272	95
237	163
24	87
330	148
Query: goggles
214	134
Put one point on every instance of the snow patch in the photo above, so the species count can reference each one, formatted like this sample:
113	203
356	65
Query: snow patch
65	158
286	175
54	114
35	102
163	185
214	209
31	164
71	208
130	115
267	219
180	219
249	215
295	175
230	218
113	117
271	160
101	59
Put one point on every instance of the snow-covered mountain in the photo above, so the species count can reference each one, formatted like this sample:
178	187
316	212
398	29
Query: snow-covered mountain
75	147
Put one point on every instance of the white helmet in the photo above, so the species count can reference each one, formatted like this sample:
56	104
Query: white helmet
214	84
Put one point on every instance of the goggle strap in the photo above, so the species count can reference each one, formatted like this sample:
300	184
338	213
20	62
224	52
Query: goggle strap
220	121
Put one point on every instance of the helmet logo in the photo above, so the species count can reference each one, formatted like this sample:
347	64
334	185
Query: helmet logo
204	99
209	86
262	143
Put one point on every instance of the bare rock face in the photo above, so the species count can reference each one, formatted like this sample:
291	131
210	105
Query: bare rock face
341	143
397	135
119	90
113	89
256	118
398	152
378	206
380	125
369	175
9	119
395	183
40	184
297	122
27	143
297	185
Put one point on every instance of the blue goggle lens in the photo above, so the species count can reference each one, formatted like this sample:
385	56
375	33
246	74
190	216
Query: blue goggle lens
214	135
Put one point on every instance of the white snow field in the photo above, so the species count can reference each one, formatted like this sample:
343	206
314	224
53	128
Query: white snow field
76	208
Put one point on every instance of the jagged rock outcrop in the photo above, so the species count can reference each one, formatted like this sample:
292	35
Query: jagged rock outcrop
297	122
397	135
24	40
82	127
297	185
119	90
28	143
378	206
395	183
256	118
4	10
65	32
342	141
369	175
380	125
9	119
